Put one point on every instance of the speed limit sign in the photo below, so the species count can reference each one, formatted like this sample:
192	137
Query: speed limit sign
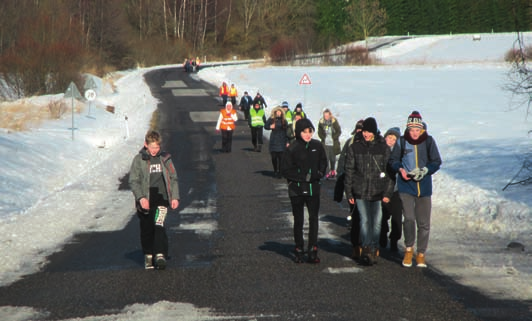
90	95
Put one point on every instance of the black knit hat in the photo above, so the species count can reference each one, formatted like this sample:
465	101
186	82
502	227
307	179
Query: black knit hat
370	125
301	125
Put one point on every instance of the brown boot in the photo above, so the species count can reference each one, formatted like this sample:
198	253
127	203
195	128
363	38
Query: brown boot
357	250
368	256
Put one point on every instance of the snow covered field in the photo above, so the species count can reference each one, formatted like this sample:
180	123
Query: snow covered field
455	82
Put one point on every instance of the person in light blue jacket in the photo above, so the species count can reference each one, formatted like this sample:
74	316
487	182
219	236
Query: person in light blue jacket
415	159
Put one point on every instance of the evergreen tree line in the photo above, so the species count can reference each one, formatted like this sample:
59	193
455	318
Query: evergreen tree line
417	17
46	44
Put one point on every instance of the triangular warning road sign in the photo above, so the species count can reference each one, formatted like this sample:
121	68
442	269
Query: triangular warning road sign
305	80
72	91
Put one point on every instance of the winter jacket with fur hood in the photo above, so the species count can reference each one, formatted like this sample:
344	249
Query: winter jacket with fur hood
280	135
336	131
304	164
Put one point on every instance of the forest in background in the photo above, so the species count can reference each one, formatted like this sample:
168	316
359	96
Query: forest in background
46	44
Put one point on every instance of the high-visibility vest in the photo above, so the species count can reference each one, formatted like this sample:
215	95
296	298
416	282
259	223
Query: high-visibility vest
257	117
223	90
227	119
233	92
288	117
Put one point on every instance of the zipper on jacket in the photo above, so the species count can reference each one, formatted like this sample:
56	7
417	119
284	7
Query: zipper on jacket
417	166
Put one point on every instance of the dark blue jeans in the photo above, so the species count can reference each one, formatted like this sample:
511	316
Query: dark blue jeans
370	222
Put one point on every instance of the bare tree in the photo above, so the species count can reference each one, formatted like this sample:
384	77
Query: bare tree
520	75
165	22
247	9
368	19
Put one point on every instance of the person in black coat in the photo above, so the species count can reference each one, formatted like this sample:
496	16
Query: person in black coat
245	104
354	216
367	183
279	137
303	165
259	100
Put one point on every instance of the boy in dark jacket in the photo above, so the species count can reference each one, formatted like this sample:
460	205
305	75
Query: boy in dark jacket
367	184
303	165
153	181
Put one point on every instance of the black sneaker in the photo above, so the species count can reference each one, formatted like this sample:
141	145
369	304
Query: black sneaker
299	255
313	255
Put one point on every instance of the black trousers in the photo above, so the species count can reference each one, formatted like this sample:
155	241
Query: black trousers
153	238
393	210
227	140
298	210
256	135
276	161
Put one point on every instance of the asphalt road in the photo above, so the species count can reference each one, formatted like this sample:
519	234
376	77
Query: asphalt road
231	243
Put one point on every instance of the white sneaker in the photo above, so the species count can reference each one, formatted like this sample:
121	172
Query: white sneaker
160	261
148	262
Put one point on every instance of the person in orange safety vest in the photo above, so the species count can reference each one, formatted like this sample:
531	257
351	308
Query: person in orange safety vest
224	93
233	93
226	124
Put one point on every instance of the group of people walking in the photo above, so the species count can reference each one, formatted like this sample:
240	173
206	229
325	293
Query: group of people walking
382	177
389	177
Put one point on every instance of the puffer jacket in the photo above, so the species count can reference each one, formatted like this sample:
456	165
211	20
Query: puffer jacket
139	176
366	174
304	164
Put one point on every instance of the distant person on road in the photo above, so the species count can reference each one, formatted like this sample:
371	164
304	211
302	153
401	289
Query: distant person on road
226	124
367	184
259	99
291	133
278	138
233	93
198	62
299	109
193	64
246	103
329	131
303	165
186	65
257	119
287	113
153	181
224	93
415	159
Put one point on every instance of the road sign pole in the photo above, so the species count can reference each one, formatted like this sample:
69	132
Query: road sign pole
72	100
305	96
304	81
